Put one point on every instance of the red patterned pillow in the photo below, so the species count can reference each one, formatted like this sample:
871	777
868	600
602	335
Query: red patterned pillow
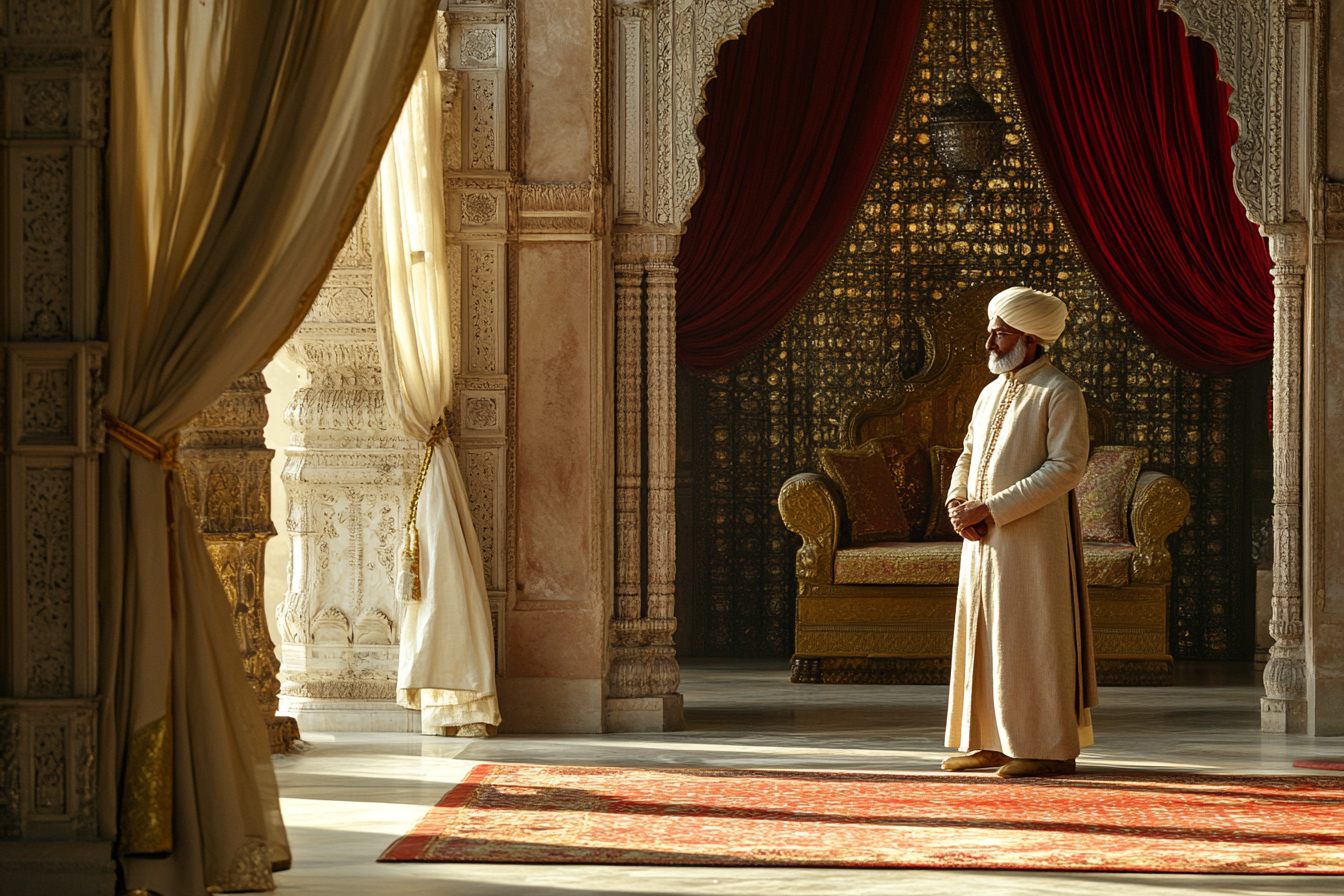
944	461
1106	491
872	499
909	462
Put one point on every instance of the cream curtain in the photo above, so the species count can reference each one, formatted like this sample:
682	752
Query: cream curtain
244	134
447	647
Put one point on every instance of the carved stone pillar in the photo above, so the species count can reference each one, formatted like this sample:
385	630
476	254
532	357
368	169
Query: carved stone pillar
228	481
1284	708
629	405
54	835
643	678
346	474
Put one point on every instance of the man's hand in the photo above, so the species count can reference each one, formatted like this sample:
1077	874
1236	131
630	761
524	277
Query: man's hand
967	517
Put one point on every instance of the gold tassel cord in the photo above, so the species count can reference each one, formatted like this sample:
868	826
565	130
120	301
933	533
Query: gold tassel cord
408	573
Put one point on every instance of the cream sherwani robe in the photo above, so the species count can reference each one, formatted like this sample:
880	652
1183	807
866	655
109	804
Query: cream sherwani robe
1022	668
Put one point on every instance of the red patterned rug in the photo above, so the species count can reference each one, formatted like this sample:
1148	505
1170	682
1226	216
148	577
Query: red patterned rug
619	816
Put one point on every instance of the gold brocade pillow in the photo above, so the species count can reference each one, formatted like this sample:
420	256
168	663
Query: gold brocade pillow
1106	491
909	462
944	461
871	496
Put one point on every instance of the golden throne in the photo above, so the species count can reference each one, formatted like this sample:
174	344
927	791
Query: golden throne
882	613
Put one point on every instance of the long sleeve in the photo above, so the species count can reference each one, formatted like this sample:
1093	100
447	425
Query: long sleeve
961	473
1065	463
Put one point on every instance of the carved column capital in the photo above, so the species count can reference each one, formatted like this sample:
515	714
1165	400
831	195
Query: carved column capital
1288	243
637	246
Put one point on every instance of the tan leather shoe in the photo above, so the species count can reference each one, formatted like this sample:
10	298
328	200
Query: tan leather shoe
972	761
1038	768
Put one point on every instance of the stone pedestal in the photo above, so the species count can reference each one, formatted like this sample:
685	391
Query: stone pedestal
346	476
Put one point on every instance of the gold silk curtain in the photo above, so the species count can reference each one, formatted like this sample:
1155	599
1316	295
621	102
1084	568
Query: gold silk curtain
244	134
447	647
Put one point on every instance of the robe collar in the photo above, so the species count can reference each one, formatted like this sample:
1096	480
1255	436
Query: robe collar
1026	373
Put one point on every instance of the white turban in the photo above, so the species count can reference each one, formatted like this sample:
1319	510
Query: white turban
1036	313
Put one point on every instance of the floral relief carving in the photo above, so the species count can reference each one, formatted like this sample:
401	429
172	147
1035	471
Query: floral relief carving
482	136
11	783
481	486
48	769
479	47
46	17
479	209
46	104
344	304
482	413
483	307
46	405
49	525
357	252
47	186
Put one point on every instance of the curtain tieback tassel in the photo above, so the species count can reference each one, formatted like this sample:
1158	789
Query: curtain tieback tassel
134	440
408	568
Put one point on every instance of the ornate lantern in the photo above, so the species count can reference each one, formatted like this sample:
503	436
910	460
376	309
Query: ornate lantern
967	133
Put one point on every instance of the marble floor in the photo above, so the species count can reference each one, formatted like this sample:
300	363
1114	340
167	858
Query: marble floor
350	795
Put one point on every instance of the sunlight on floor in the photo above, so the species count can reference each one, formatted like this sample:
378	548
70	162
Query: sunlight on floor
348	797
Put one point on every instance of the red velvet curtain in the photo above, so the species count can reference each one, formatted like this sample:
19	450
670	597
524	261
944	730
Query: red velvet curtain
1130	123
796	120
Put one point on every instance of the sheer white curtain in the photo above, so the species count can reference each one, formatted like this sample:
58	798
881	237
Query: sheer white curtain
447	646
244	135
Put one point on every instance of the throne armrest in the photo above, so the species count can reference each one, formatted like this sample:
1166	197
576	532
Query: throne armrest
812	506
1159	508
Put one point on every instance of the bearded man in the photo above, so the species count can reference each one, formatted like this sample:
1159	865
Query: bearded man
1023	677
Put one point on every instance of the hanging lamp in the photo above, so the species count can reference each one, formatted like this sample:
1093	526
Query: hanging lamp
967	134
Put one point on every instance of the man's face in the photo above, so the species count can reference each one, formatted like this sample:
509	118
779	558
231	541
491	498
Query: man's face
1002	338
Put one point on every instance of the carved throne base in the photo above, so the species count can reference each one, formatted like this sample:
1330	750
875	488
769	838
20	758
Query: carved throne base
1112	671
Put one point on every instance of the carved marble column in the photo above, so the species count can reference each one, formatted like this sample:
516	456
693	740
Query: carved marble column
346	474
629	419
1284	708
643	678
228	481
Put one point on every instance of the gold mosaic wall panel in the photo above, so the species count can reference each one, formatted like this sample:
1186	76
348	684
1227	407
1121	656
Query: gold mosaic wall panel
913	242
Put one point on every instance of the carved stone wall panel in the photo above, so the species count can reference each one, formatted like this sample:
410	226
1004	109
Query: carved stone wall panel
55	389
483	289
482	414
484	98
477	45
477	212
48	753
484	469
554	210
53	121
49	530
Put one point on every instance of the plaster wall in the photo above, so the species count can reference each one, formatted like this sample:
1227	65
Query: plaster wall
557	89
560	600
1324	606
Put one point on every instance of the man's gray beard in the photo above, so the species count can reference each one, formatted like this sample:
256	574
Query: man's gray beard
1006	362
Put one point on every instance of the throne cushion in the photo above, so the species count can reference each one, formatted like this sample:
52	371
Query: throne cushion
909	463
872	497
944	461
939	562
1106	491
